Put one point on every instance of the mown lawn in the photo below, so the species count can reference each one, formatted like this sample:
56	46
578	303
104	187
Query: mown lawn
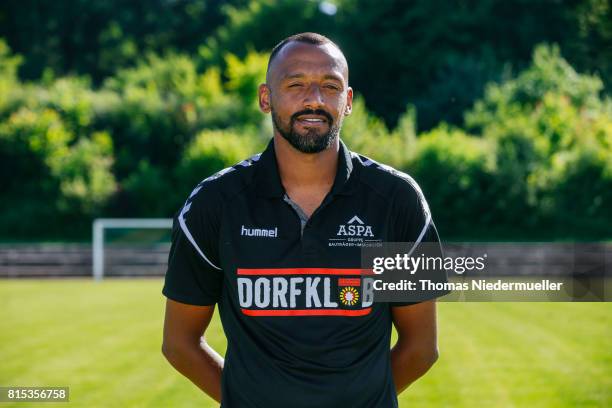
103	341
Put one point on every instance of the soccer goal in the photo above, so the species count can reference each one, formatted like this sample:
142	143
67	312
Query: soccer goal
131	246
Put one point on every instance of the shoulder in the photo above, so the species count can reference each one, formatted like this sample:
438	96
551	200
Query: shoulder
201	212
224	184
389	182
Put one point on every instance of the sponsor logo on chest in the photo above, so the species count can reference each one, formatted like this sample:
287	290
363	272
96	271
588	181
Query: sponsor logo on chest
304	292
354	233
259	232
354	228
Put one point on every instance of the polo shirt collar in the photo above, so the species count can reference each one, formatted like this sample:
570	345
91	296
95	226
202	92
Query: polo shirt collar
268	179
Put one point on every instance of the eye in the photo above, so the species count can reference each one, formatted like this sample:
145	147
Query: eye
295	85
332	86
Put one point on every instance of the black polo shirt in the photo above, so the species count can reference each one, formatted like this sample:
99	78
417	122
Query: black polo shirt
301	327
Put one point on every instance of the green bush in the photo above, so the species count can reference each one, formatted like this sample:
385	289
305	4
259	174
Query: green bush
548	73
30	142
552	132
164	102
56	183
146	192
457	174
214	150
8	72
573	186
368	135
244	77
84	173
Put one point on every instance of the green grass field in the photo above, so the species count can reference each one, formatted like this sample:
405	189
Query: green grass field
103	341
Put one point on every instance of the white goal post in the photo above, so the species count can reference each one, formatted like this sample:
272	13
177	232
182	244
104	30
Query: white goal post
100	224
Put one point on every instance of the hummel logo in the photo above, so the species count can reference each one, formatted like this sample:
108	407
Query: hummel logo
355	228
259	232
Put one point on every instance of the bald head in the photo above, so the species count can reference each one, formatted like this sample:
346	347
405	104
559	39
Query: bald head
324	44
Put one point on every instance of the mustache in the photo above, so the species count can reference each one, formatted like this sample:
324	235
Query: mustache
320	112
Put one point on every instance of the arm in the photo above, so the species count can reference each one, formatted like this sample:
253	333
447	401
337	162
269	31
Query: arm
183	327
416	348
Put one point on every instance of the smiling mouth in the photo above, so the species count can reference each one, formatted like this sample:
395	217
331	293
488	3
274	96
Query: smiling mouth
311	121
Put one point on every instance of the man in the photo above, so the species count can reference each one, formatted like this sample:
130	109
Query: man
275	241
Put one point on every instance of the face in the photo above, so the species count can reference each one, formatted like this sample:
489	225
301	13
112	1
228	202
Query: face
308	95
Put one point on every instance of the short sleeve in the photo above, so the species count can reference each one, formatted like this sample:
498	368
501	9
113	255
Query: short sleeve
194	275
414	224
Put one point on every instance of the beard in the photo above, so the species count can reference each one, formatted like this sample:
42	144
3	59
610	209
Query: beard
312	140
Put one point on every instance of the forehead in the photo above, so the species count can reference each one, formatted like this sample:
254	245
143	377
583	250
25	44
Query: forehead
308	59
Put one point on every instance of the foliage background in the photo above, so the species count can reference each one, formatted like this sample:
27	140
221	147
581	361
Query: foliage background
501	110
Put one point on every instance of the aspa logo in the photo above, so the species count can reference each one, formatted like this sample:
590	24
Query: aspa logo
355	228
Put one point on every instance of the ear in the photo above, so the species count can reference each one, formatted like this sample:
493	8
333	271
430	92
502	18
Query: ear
349	102
264	98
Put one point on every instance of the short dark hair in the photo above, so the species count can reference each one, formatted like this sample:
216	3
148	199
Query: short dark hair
308	38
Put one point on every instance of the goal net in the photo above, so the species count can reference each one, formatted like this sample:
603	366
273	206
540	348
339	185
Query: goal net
130	246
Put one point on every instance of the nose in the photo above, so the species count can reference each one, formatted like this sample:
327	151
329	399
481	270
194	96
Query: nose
313	98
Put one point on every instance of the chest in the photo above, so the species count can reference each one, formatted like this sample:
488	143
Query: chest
272	267
268	233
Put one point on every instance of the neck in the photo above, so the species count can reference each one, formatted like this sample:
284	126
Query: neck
305	170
